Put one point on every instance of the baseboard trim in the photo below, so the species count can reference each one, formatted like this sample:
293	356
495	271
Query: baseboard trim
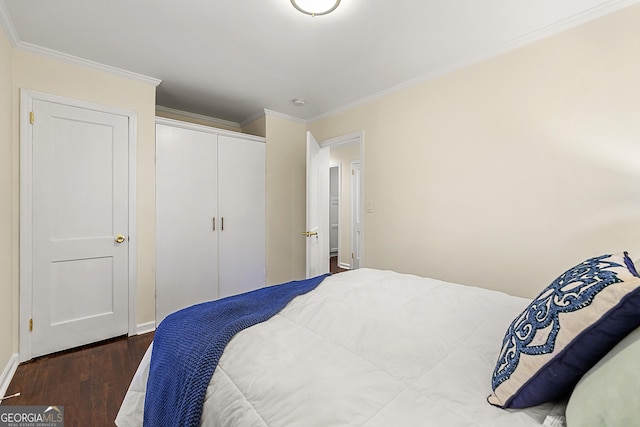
144	328
7	374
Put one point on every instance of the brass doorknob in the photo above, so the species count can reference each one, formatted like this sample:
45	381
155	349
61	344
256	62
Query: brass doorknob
120	238
309	233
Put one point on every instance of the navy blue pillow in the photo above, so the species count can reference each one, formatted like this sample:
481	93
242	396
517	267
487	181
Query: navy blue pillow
565	330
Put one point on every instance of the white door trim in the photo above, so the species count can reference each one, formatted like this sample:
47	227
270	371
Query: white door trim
355	206
354	137
27	97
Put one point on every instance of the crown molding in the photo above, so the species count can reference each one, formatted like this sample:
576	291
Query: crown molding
7	24
28	47
284	116
207	119
252	118
9	28
596	12
558	27
266	112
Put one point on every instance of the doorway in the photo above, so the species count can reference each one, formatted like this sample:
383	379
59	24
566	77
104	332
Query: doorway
345	149
334	211
342	157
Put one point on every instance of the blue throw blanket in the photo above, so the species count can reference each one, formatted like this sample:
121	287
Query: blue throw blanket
188	344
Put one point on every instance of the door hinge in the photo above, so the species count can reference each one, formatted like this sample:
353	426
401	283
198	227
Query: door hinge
352	256
32	117
31	325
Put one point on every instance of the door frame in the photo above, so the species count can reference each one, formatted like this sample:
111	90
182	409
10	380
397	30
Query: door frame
27	96
349	138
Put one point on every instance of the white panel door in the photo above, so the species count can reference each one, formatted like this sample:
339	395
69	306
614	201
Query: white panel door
80	206
241	198
186	219
317	232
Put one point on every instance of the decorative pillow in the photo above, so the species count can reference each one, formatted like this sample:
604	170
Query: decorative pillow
607	395
565	330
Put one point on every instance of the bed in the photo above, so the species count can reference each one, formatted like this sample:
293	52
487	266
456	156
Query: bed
377	348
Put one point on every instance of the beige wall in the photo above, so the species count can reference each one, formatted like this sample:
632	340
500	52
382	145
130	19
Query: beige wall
43	74
344	155
257	127
7	280
286	189
507	172
500	175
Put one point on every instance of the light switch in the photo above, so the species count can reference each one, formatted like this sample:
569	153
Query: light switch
369	206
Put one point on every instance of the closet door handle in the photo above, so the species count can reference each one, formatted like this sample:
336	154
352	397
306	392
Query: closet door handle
221	223
214	223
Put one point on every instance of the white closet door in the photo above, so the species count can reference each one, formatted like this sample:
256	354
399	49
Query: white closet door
186	246
241	198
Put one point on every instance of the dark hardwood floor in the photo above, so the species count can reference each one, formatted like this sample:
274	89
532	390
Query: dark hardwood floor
333	265
90	381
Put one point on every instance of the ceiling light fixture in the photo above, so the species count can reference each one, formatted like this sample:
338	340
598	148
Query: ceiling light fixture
315	7
298	102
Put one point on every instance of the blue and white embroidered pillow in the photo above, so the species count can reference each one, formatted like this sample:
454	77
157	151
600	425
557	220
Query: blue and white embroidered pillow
565	330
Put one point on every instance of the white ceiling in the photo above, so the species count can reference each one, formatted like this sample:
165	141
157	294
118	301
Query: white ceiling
230	59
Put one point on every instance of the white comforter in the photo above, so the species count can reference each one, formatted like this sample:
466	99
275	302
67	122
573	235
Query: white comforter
366	348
